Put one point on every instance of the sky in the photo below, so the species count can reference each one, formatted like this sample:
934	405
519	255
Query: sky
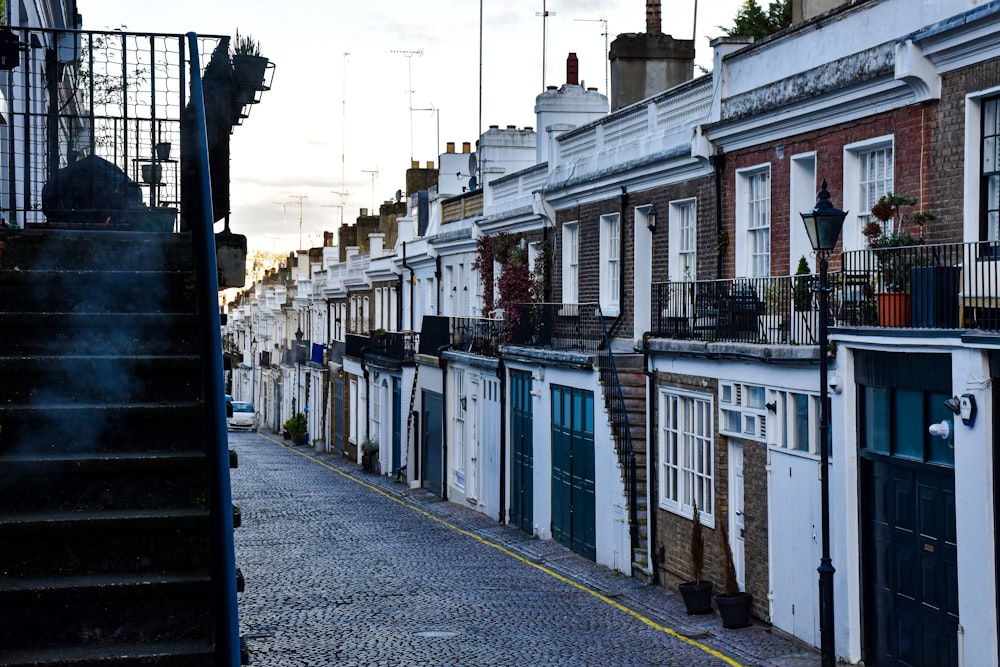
338	116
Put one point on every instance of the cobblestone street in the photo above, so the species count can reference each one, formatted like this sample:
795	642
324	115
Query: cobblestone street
346	568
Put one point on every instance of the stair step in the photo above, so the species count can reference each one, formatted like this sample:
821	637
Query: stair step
76	543
51	250
110	481
46	429
98	291
194	653
107	608
98	333
111	379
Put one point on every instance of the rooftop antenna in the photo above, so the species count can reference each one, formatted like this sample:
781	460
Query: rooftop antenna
300	198
374	173
409	87
341	205
545	14
603	20
284	218
343	145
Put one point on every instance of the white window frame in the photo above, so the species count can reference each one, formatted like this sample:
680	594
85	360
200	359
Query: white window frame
611	264
458	448
753	221
683	239
742	411
783	431
857	196
680	456
571	262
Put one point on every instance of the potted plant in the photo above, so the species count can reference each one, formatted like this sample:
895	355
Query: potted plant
733	604
249	68
369	454
296	427
697	594
886	237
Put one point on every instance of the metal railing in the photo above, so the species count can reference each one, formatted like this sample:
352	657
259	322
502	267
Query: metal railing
476	335
614	401
939	286
95	120
399	345
777	310
558	326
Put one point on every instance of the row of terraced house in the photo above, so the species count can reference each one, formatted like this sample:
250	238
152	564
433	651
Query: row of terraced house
610	331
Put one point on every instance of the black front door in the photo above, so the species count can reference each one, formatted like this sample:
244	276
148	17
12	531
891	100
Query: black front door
907	477
397	426
432	468
521	425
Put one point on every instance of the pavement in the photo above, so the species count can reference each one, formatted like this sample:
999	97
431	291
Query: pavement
658	608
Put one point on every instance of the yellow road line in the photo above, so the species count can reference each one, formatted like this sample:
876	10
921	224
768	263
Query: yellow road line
499	547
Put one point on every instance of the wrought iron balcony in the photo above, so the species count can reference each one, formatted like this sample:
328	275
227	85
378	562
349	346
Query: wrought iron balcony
99	122
476	335
398	345
775	311
558	326
941	286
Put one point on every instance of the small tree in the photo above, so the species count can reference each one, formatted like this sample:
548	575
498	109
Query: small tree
753	21
727	569
801	295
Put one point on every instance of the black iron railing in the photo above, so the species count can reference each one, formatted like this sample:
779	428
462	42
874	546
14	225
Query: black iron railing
618	414
399	345
939	286
97	119
558	326
776	310
476	335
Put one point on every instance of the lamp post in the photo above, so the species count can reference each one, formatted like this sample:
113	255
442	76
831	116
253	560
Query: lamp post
823	225
298	365
253	371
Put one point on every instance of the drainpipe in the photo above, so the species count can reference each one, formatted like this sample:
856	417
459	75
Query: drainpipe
443	365
651	489
718	162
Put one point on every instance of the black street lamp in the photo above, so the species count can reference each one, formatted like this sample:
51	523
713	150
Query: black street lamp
823	225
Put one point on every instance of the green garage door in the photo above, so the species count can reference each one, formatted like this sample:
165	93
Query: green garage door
522	464
573	523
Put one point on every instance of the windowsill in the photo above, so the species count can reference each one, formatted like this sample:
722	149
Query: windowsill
610	311
707	520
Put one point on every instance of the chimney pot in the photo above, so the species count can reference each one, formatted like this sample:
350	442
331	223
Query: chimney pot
430	164
450	147
572	70
466	147
414	164
550	87
653	17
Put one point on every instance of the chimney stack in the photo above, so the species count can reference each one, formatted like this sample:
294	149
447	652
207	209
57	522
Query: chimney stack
652	17
572	70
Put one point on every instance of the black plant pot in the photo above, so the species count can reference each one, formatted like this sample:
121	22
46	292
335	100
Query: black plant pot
734	609
697	596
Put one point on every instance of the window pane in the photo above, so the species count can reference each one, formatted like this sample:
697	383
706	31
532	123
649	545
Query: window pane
877	419
910	424
800	421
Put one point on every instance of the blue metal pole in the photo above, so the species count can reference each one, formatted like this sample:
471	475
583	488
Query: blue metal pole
227	631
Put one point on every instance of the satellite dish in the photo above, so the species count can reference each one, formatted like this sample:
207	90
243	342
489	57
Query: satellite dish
399	196
472	183
473	167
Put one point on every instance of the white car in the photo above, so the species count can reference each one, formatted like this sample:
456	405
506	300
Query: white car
243	417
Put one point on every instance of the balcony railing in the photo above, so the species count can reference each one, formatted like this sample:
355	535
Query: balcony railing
399	345
941	286
106	134
557	326
475	335
771	311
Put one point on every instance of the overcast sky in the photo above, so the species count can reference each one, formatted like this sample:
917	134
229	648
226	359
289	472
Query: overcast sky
293	142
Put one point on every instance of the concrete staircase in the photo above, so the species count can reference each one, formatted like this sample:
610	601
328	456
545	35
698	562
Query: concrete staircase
105	482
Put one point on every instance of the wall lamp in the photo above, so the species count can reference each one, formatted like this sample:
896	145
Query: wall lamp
650	212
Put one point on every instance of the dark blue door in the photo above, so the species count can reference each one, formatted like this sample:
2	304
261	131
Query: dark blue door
521	426
573	497
432	445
